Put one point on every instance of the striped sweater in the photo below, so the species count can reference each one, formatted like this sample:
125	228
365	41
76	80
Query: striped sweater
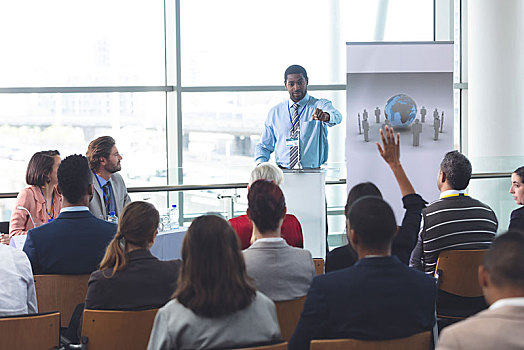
458	222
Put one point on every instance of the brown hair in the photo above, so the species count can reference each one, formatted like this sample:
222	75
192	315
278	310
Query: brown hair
99	148
137	225
213	281
266	204
39	167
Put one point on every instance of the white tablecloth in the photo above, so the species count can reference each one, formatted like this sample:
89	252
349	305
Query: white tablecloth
168	244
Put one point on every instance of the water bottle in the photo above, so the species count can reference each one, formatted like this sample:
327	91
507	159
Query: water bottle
173	217
112	218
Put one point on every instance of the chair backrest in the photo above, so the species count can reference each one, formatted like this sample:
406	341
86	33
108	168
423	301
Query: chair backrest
35	332
288	314
60	293
419	341
279	346
319	265
113	330
457	272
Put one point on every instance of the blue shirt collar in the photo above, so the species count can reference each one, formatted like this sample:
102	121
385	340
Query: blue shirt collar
101	180
301	103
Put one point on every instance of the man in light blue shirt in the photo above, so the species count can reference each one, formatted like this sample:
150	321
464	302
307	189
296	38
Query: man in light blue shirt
280	130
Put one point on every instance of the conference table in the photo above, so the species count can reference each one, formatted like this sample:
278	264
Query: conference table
167	246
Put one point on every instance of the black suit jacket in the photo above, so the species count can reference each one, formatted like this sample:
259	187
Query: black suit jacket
517	220
377	298
73	243
403	243
144	283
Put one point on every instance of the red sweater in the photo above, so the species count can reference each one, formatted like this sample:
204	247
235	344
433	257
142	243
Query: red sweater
291	230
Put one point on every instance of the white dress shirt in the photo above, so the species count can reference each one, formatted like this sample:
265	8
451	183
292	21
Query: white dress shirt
17	287
507	302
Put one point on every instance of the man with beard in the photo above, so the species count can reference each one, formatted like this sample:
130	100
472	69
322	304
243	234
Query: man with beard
110	190
296	129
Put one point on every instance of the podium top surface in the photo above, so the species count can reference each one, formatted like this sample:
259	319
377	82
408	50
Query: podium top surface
306	171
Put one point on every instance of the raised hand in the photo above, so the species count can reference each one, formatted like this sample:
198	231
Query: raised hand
390	149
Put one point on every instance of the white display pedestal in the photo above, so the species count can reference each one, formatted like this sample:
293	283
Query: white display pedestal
305	194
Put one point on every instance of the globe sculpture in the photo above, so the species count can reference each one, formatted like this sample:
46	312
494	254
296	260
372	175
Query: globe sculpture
400	110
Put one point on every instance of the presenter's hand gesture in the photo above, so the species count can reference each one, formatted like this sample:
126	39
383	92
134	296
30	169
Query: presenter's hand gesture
319	114
390	150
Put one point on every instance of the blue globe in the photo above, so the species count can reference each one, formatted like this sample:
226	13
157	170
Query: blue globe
400	110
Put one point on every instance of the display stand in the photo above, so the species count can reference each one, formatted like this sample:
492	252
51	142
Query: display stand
305	192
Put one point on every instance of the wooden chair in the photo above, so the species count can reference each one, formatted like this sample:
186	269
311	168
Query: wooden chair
419	341
457	272
288	314
280	346
114	330
60	293
35	332
319	265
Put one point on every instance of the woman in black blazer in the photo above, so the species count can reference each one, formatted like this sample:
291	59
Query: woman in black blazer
130	277
517	190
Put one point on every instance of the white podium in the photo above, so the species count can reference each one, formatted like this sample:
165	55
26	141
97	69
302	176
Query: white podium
305	192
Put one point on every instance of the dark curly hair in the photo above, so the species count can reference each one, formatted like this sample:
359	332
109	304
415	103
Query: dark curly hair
266	204
74	177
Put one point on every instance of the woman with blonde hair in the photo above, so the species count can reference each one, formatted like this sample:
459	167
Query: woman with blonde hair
215	304
130	277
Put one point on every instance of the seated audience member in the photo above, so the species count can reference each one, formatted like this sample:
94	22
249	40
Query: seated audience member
110	192
17	290
130	277
455	221
75	242
291	230
517	190
502	279
280	271
378	298
41	198
405	240
215	305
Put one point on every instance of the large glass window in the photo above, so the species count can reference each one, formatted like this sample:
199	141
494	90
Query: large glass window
68	122
82	43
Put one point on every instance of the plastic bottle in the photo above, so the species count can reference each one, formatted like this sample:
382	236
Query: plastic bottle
112	218
173	217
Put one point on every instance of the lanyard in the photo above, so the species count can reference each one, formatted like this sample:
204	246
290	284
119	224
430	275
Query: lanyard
107	198
298	119
456	195
52	204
